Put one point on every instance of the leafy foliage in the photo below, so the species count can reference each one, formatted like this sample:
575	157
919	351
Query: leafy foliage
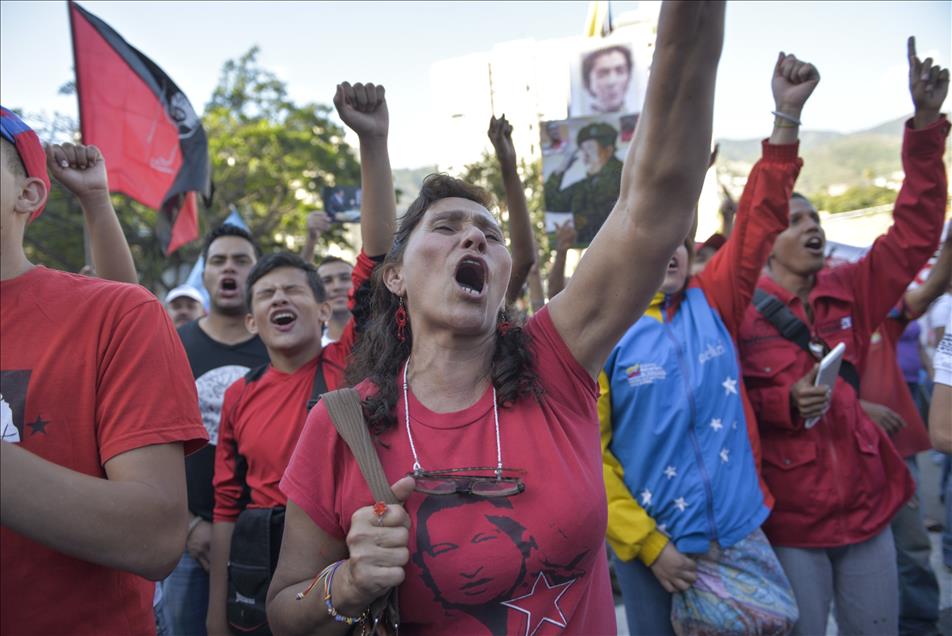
855	198
486	174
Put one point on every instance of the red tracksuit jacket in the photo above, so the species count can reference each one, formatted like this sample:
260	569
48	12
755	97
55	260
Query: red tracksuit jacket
842	481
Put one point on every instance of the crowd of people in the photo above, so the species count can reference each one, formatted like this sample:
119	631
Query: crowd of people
656	418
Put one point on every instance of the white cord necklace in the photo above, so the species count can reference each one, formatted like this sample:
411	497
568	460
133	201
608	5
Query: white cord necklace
417	468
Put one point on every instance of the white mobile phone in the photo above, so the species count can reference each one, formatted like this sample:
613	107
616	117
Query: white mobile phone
826	376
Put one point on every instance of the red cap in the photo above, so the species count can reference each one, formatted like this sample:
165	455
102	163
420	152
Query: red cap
28	147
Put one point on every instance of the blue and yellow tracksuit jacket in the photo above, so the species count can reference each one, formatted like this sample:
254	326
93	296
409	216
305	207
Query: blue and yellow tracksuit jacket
679	440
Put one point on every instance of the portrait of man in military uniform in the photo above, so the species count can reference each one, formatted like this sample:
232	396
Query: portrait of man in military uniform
591	198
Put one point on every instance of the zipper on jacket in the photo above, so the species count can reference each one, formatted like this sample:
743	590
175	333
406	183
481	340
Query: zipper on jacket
699	459
827	435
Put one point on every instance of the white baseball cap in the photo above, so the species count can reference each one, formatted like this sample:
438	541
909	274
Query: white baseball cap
184	291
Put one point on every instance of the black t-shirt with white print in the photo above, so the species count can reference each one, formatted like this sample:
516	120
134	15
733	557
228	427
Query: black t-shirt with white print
215	366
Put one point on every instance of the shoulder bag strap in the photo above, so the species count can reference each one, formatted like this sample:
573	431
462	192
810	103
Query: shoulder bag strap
793	329
344	408
320	384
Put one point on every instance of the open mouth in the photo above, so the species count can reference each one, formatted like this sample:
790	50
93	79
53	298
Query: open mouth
471	275
229	285
814	244
283	319
673	265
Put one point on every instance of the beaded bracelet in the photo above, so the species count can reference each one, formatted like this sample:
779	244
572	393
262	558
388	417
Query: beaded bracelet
327	575
340	618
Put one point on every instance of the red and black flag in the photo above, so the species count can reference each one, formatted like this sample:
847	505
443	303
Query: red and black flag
154	144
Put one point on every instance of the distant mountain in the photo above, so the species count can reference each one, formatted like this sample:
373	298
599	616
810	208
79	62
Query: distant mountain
829	158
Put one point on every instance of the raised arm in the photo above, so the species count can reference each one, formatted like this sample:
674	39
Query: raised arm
82	171
363	108
520	227
317	224
890	265
919	299
565	237
731	276
536	292
660	184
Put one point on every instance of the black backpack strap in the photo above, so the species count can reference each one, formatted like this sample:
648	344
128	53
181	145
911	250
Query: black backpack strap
793	329
780	316
320	384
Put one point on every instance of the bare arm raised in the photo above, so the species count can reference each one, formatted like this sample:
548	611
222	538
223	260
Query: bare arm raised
660	185
363	107
82	171
520	227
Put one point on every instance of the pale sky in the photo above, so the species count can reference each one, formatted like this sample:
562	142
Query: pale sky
859	48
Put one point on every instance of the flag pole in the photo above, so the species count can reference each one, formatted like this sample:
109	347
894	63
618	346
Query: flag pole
87	248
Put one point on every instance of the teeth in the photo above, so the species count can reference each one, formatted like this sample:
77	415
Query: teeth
283	316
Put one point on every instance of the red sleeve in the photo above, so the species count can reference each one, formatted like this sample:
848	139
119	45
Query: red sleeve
729	279
880	279
563	378
314	476
363	270
359	299
772	406
145	393
226	485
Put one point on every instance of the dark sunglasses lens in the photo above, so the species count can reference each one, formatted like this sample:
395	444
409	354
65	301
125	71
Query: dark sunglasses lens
496	488
435	486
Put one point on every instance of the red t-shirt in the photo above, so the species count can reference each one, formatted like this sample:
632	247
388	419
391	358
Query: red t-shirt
882	382
91	369
531	563
262	419
260	425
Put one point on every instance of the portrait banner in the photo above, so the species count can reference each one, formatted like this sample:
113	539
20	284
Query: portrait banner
607	76
581	167
342	203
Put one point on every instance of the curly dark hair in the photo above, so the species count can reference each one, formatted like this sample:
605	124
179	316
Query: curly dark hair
379	353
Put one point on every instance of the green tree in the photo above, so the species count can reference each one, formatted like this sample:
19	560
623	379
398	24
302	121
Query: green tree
855	198
271	158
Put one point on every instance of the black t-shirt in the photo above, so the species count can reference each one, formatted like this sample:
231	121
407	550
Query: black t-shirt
215	366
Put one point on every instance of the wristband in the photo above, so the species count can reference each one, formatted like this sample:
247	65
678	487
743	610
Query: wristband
784	116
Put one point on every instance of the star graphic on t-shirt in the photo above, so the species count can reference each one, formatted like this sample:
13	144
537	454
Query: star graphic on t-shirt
716	424
680	504
645	497
670	472
730	386
38	426
724	452
544	604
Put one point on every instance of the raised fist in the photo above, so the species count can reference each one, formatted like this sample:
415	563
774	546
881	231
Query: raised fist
81	169
928	85
363	107
500	134
317	224
793	83
565	236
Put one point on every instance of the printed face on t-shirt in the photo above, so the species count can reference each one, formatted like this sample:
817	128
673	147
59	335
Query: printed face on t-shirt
471	564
